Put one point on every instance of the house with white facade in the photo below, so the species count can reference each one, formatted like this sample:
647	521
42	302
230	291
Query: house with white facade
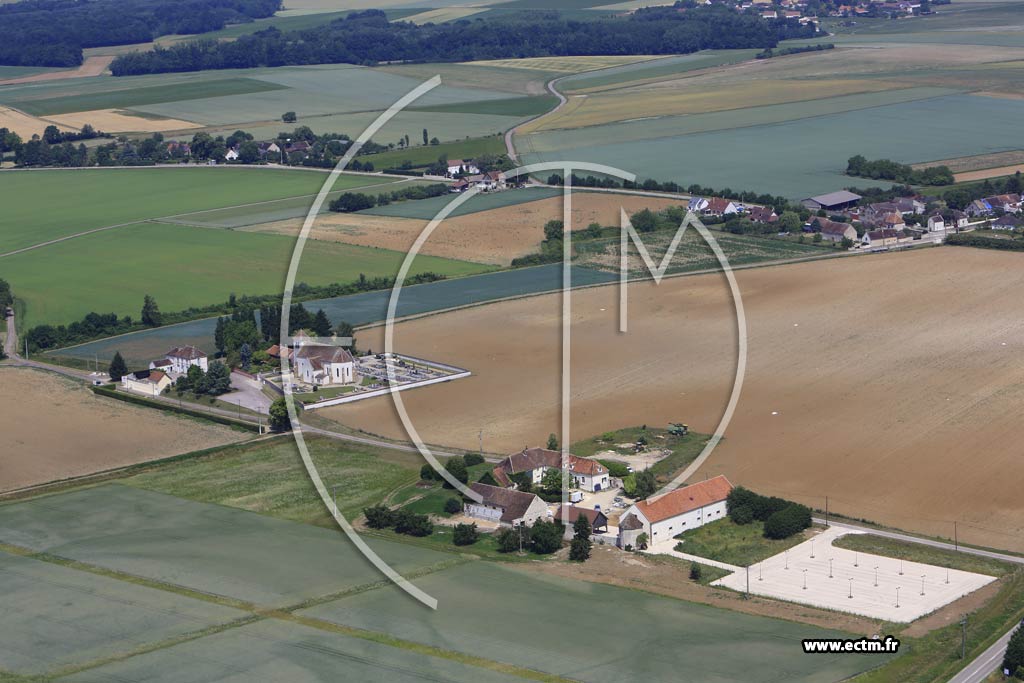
461	166
324	365
146	382
184	357
664	517
936	223
589	475
506	507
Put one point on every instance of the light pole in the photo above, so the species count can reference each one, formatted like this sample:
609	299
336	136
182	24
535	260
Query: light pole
851	589
901	566
805	579
897	597
922	584
812	548
787	559
855	558
876	576
759	565
830	567
947	575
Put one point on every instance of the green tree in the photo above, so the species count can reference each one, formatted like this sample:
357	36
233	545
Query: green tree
218	335
427	473
245	356
151	312
321	324
118	368
789	221
434	141
472	459
579	549
1014	657
379	517
465	534
695	571
456	467
411	524
248	152
289	117
646	485
426	137
218	379
641	541
552	442
488	478
508	540
346	329
279	420
453	506
546	537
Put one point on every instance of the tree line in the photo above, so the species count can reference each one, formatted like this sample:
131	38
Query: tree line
368	38
360	201
98	325
886	169
54	32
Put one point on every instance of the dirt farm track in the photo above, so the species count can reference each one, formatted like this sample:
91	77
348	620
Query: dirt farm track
891	383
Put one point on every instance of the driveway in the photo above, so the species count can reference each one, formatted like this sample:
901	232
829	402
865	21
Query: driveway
247	393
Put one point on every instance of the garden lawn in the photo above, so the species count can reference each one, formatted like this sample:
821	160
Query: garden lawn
44	205
725	541
184	267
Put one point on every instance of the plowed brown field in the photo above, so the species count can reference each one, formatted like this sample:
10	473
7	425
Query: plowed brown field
891	383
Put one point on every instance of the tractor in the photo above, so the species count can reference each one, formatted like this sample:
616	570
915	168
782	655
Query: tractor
678	429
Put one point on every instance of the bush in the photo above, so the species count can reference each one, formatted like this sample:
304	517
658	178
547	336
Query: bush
742	515
695	571
472	459
579	549
788	521
761	507
411	524
427	473
615	468
452	506
465	534
379	517
509	540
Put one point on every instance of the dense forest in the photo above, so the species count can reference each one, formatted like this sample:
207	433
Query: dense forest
886	169
369	38
53	32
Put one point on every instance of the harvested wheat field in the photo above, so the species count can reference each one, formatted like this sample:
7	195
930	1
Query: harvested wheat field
494	237
119	121
92	66
56	428
891	383
23	124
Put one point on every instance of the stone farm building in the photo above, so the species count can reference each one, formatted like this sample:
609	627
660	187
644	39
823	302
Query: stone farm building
507	507
322	364
570	513
589	475
146	382
664	517
833	201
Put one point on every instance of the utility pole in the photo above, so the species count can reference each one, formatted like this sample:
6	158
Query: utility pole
963	636
956	540
480	437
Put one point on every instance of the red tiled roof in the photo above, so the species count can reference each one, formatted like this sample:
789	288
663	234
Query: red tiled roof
513	504
681	501
186	353
570	513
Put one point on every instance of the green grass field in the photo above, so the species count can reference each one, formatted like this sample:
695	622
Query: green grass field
629	74
269	477
725	541
426	209
422	155
516	106
183	267
915	552
44	205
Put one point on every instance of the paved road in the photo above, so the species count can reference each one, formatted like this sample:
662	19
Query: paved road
11	342
985	663
510	148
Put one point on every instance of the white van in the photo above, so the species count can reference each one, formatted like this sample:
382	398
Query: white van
575	496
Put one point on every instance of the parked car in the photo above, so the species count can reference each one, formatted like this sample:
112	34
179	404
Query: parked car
575	496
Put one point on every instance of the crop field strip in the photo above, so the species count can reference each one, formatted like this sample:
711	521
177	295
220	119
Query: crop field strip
137	552
790	160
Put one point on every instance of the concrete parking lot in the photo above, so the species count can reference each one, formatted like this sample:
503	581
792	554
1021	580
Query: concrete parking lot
817	573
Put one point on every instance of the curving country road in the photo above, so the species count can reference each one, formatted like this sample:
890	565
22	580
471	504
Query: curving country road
509	145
